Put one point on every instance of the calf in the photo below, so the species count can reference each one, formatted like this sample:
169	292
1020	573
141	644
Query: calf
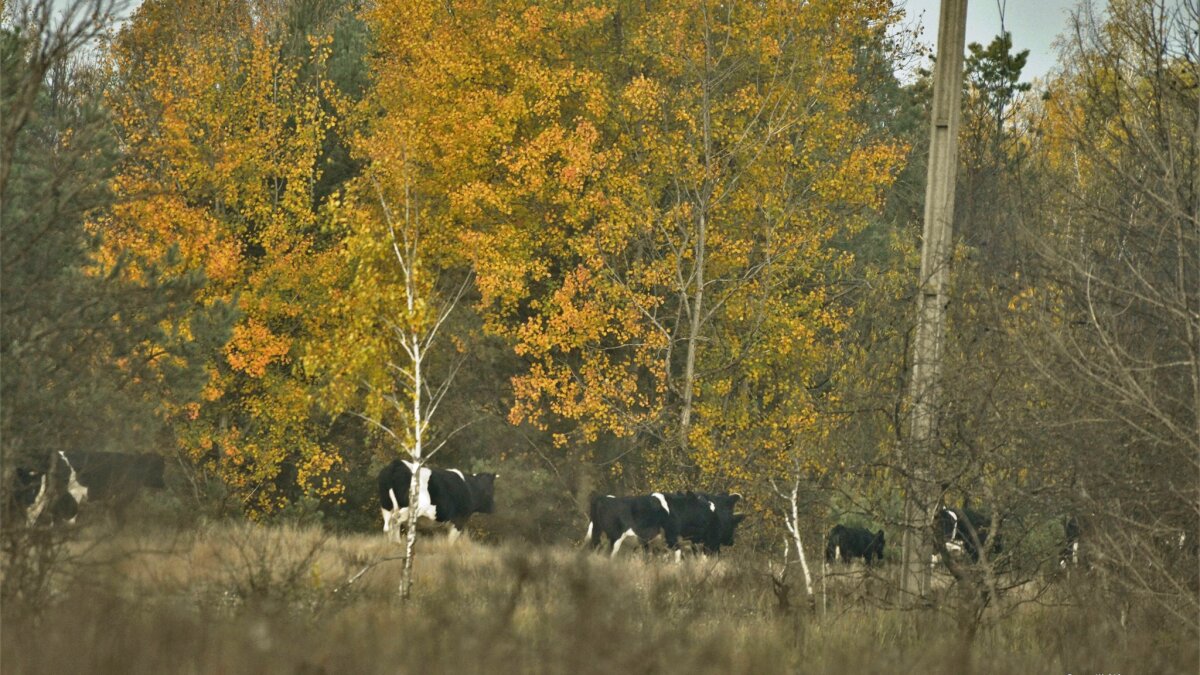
846	543
646	516
443	496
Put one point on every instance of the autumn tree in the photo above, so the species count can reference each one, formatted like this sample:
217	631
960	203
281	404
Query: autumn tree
88	360
228	114
647	199
1117	302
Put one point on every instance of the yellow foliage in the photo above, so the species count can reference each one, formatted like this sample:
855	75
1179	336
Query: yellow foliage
224	135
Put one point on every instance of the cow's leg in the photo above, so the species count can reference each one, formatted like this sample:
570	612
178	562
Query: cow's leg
458	527
39	504
671	536
617	546
592	536
399	523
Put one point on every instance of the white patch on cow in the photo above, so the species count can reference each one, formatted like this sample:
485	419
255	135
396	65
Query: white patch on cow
424	506
712	507
454	532
953	532
1075	552
661	500
392	519
611	496
588	536
460	474
678	555
1182	539
934	560
837	552
954	547
622	538
77	491
39	503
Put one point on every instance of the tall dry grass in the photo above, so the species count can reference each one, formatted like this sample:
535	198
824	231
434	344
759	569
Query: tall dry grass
243	598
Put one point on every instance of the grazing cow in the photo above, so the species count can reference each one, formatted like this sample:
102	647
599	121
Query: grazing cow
443	496
646	516
87	476
847	543
953	524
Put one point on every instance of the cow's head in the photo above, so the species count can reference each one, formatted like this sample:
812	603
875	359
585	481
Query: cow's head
150	470
483	488
28	476
727	520
29	481
833	543
877	545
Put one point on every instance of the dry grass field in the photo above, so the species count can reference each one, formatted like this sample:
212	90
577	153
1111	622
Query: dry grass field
251	599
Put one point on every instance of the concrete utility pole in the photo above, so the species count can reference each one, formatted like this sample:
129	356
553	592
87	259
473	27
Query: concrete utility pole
931	296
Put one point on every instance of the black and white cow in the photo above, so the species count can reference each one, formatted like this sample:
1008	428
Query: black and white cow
714	527
443	496
87	476
645	517
847	543
955	526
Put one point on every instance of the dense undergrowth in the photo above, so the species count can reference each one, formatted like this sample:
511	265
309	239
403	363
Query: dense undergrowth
238	598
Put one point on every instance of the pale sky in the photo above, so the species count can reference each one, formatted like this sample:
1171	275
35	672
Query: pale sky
1034	25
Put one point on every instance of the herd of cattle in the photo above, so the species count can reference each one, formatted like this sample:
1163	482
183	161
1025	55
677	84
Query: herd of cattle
707	520
450	496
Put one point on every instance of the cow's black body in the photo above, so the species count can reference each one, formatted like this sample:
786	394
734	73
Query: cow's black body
847	543
456	495
394	481
116	476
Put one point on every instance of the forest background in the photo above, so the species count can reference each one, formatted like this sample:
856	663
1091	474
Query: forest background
666	246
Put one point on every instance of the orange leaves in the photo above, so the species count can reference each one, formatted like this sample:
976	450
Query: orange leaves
253	348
